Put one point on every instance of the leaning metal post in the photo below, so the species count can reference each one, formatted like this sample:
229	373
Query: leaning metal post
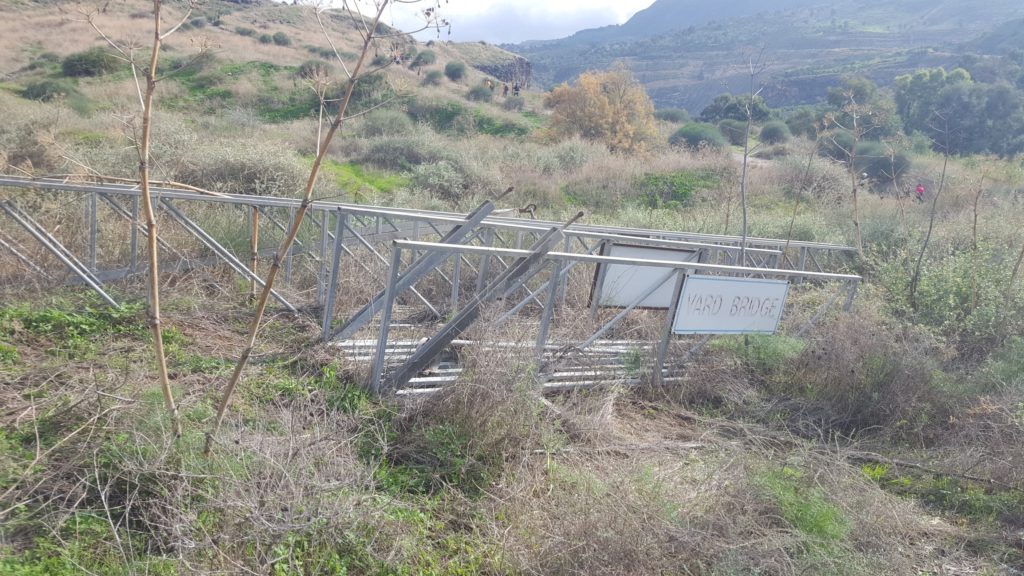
385	320
93	231
340	223
549	310
670	317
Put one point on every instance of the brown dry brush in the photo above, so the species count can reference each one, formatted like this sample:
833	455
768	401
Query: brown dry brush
369	33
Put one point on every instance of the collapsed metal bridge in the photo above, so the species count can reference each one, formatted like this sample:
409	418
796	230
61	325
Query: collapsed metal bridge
403	291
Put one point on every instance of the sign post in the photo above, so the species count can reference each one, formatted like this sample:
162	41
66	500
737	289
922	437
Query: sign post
722	305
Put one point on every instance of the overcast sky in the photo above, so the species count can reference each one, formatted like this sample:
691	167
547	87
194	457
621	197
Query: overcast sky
499	21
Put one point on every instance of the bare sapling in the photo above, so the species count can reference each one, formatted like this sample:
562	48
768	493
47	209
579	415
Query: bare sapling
974	238
805	186
755	67
368	28
855	128
916	278
146	89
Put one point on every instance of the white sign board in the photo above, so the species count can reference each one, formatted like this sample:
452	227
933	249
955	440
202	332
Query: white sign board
619	285
721	305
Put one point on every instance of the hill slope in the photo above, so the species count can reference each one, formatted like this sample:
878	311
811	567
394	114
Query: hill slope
688	51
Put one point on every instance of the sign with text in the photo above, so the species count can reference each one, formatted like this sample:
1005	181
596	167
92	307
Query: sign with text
619	285
722	305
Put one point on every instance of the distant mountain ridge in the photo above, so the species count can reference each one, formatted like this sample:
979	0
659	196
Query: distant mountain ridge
688	51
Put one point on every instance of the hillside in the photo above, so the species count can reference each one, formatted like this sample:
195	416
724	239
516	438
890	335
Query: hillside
881	437
687	52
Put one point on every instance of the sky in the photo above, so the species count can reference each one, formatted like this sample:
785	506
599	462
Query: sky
502	21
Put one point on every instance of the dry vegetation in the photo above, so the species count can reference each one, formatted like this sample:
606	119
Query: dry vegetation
887	441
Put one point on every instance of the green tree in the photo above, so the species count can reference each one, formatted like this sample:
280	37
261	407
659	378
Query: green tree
732	107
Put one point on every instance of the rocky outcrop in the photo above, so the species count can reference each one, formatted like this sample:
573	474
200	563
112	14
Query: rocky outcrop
515	69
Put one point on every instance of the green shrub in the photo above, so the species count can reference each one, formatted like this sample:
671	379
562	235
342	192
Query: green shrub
674	189
266	39
442	180
425	58
763	355
380	60
514	103
735	131
455	71
314	69
385	123
443	115
401	153
433	78
281	39
673	115
199	22
258	169
775	132
480	93
92	62
46	90
696	135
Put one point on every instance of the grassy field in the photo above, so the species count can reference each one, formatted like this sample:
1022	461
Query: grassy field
886	441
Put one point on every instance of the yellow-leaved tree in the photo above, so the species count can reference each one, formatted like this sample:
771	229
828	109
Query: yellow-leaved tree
610	107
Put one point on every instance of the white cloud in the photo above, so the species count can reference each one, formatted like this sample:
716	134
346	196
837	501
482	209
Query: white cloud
514	21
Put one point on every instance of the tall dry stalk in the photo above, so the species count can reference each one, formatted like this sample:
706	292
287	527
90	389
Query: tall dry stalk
146	91
369	34
916	278
755	68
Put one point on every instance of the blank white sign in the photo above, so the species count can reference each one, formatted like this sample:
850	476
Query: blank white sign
719	305
622	283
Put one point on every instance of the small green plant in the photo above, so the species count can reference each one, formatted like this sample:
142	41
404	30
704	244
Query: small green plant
455	71
735	131
313	69
266	39
762	354
806	509
243	31
8	354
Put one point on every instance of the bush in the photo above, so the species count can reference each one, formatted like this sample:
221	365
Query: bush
443	115
674	189
199	22
243	31
455	71
674	115
775	132
697	134
442	180
266	39
735	131
480	93
314	69
401	153
425	58
385	123
257	169
514	104
46	90
433	78
281	39
92	62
